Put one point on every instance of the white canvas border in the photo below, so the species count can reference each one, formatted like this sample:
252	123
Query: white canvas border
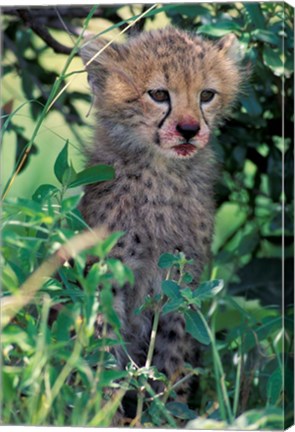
91	2
3	3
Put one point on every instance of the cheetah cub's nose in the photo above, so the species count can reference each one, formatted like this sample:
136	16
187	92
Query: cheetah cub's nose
188	130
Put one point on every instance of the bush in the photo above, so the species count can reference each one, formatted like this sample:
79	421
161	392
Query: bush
55	370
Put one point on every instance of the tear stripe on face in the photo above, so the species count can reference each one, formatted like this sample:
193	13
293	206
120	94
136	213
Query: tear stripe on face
166	115
203	115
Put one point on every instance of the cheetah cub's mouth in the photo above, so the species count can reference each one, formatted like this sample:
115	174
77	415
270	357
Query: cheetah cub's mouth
185	149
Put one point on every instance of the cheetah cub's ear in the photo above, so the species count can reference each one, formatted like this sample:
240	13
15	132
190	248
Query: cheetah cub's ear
230	46
98	58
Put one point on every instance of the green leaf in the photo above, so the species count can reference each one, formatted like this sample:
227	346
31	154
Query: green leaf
272	59
61	163
19	270
266	36
187	278
107	377
69	176
220	28
270	418
75	220
209	289
91	311
288	64
181	410
187	294
255	14
15	335
64	324
23	39
274	387
148	303
104	248
7	69
195	326
28	207
121	272
43	192
172	305
70	203
94	174
239	154
251	103
243	312
189	10
269	326
108	310
171	289
8	383
167	260
93	278
206	424
248	243
9	279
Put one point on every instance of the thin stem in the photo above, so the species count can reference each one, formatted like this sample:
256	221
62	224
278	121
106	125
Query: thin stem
150	354
153	338
140	399
219	372
238	382
219	390
139	409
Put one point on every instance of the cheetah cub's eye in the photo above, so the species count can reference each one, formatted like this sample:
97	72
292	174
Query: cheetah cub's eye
207	95
159	95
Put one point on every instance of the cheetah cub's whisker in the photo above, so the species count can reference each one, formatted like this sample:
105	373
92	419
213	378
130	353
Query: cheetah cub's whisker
158	98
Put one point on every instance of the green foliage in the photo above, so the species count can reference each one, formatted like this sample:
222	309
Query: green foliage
48	366
55	370
68	177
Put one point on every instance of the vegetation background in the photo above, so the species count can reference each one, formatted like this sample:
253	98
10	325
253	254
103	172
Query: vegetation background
47	376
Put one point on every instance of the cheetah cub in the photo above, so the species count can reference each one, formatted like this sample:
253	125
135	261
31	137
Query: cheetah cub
158	97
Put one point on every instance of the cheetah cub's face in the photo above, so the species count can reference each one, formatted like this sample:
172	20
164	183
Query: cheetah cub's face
163	90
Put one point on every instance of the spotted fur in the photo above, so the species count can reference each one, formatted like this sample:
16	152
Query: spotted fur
165	170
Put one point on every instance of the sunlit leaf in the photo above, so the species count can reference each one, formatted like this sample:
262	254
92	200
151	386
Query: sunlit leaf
272	59
94	174
219	28
209	289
